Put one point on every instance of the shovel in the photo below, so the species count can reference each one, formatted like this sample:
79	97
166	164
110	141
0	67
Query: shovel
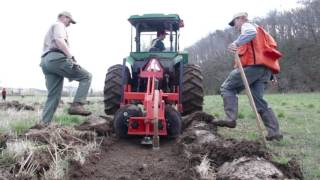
252	103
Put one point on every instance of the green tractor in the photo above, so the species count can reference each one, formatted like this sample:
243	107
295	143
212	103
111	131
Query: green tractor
151	89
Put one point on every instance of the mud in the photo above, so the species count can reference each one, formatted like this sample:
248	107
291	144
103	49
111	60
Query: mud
127	159
183	158
291	170
16	105
102	125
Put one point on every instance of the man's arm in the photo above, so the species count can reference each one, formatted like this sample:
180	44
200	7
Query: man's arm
62	45
248	32
59	37
160	45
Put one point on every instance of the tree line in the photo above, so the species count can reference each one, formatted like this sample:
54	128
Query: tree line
297	33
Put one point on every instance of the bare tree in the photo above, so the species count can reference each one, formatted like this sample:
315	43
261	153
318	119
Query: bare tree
297	32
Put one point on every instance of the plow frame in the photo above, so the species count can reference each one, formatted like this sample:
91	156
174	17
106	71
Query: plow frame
144	125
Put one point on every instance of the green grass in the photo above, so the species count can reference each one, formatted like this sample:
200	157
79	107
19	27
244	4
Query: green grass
68	120
20	128
241	115
281	160
17	122
14	123
299	118
281	115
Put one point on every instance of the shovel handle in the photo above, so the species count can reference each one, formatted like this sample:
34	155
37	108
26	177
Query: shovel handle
249	94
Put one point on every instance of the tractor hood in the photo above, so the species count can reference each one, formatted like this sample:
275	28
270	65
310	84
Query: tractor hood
141	56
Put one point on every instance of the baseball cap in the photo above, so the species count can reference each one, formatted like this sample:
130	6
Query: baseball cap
161	32
231	23
67	14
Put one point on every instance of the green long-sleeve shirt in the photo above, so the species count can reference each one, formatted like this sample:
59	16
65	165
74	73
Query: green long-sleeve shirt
157	45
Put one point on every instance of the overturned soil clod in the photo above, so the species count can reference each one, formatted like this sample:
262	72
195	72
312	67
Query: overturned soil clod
39	151
249	168
59	135
291	170
16	105
101	125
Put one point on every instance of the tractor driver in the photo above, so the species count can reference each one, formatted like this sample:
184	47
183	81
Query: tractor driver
157	45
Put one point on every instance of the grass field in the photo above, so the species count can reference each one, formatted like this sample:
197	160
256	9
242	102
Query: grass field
299	117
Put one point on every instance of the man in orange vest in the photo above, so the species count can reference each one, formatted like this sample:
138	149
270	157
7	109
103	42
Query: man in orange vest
259	69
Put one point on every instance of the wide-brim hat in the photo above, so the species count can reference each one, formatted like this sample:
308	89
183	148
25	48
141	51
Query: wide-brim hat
162	32
67	14
240	14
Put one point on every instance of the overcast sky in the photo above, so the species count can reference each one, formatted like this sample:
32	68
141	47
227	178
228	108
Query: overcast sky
101	36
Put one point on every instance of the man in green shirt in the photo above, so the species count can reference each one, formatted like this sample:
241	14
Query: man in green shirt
58	62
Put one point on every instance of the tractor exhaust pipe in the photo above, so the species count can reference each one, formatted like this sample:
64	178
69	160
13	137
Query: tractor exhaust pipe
155	140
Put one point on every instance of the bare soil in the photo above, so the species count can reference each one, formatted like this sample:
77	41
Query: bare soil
182	157
102	125
127	159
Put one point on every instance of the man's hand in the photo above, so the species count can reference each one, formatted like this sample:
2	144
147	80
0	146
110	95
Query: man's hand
232	47
63	46
74	63
73	59
274	80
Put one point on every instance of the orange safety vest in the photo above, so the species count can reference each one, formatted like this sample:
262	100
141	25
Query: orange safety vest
260	50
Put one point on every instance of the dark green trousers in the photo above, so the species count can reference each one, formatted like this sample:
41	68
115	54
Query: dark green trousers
56	67
258	77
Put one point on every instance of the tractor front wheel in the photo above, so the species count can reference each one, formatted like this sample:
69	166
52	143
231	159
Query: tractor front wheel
121	119
173	118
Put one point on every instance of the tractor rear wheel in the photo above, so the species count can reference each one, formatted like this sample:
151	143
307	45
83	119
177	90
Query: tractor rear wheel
192	91
174	122
121	119
113	88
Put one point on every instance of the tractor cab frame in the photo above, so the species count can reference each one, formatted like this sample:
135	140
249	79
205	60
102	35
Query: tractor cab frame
144	29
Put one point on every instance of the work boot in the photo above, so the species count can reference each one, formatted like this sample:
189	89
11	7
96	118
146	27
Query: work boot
230	104
277	137
272	125
77	108
40	125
